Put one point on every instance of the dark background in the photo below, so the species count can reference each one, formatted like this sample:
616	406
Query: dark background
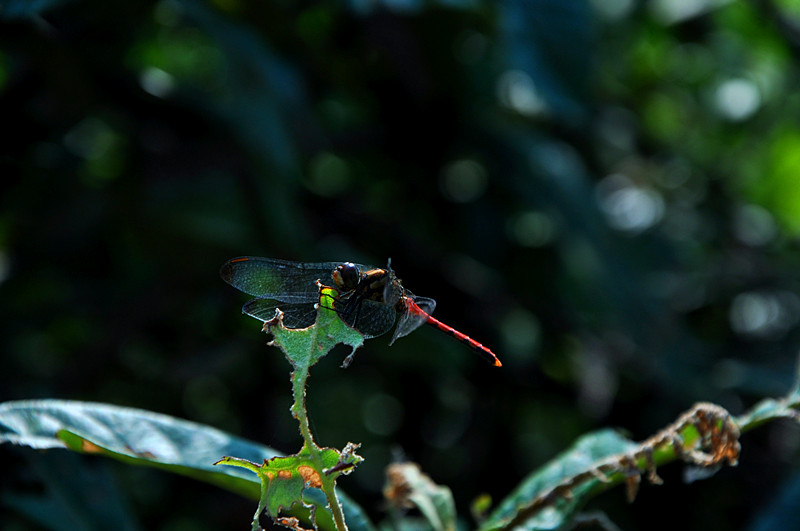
606	193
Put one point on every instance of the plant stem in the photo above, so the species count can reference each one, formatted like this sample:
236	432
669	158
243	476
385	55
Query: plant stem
299	378
329	489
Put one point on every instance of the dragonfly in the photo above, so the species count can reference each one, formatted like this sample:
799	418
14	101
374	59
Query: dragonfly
370	299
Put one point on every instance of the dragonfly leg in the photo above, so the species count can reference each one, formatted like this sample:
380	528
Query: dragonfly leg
354	304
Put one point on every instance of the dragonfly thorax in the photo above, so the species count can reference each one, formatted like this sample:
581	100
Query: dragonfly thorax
373	285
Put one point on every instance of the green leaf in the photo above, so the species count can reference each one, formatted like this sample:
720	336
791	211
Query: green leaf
142	438
132	436
304	347
284	479
769	409
517	509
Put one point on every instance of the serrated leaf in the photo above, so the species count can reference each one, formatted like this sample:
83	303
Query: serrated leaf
588	451
284	480
304	347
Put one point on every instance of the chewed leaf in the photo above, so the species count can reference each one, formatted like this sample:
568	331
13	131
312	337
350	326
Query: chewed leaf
284	480
705	435
304	347
348	459
519	509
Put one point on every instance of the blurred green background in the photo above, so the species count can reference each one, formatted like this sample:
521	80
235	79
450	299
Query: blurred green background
605	192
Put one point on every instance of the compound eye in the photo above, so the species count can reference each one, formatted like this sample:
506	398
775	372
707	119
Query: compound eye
346	276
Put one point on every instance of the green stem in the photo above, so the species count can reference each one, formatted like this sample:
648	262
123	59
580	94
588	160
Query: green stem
329	489
299	378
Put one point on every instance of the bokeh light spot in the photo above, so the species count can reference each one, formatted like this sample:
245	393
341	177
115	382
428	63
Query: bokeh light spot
470	47
90	139
517	91
613	9
521	333
463	181
627	206
328	175
675	11
754	225
737	99
557	159
764	313
157	82
101	147
532	229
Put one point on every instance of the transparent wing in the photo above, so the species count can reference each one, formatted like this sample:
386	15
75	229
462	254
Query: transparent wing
415	314
281	280
371	318
294	315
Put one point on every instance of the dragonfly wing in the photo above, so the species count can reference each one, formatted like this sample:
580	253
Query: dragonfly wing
371	318
280	280
425	304
416	313
294	315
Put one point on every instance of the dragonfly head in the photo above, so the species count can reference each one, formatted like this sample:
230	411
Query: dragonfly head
346	276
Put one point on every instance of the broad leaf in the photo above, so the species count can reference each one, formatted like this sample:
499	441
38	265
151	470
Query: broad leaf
132	436
141	437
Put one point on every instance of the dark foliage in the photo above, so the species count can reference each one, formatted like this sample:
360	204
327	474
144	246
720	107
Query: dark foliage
605	193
